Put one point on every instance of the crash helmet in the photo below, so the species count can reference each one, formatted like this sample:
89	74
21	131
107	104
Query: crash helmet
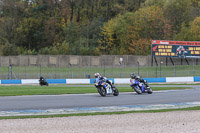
132	75
137	77
97	75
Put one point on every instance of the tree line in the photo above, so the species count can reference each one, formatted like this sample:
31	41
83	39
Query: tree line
94	27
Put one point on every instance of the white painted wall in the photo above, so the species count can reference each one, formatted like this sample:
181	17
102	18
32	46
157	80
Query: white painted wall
30	81
179	79
122	80
78	81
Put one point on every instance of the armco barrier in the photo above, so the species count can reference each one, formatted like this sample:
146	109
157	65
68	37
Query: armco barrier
127	80
91	81
12	81
153	80
196	79
56	81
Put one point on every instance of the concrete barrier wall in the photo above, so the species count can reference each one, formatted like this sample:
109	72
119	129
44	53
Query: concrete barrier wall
91	81
179	79
122	80
82	61
30	81
78	81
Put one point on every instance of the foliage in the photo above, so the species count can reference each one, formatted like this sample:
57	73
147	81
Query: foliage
58	48
106	43
134	31
191	32
10	49
94	27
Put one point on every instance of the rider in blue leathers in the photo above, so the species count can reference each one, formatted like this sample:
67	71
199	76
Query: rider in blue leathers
134	77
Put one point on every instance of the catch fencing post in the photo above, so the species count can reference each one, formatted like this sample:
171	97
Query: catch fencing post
112	71
8	72
70	69
138	67
160	68
40	70
25	71
193	68
10	68
120	62
87	71
156	69
104	69
55	72
174	70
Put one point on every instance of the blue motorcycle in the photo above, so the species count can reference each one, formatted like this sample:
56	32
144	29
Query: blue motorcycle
140	87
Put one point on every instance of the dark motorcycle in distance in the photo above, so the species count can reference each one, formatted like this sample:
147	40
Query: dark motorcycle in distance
43	81
105	89
140	87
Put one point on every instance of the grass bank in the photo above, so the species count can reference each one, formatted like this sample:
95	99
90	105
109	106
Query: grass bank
56	90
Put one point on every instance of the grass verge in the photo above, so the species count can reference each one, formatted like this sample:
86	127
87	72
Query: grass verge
100	113
56	90
175	84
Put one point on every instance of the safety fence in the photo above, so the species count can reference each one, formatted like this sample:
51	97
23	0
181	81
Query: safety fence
34	72
91	81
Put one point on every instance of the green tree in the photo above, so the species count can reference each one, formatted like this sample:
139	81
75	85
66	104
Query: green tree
178	12
106	43
191	32
149	23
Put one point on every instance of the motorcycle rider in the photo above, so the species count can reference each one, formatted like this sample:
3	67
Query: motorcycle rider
134	77
99	77
42	81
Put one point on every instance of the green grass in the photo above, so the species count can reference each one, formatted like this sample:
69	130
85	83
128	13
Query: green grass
175	84
100	113
55	90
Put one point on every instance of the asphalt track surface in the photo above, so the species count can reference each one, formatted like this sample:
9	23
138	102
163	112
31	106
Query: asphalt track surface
43	102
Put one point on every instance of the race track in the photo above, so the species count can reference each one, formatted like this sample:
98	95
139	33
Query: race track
87	101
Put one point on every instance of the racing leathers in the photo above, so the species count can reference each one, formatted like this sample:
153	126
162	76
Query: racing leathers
140	80
104	79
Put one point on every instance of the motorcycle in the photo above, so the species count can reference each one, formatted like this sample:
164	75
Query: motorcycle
43	81
140	87
105	88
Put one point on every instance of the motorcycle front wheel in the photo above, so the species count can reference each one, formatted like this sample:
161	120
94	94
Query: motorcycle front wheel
149	91
116	92
137	90
102	91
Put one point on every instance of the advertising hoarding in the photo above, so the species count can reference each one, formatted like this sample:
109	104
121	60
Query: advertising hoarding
181	49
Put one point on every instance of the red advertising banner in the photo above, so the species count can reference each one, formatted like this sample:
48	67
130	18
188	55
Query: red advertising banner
183	49
175	42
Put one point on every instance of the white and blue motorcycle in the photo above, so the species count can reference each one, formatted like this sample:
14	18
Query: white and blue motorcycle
105	89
